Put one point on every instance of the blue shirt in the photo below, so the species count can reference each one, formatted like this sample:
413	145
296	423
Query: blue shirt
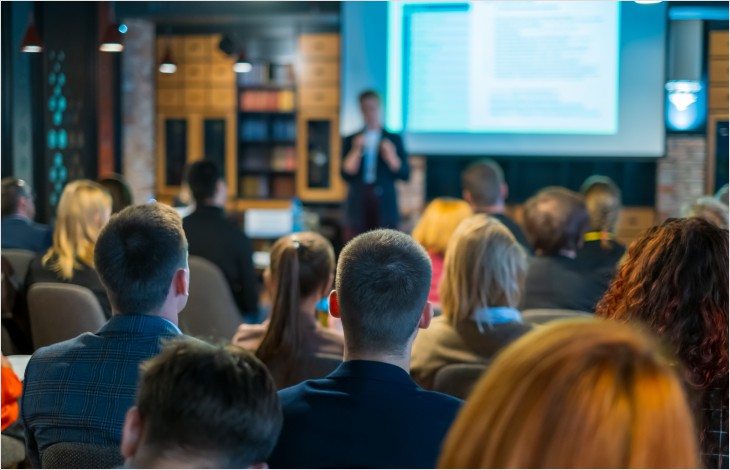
19	233
365	414
80	390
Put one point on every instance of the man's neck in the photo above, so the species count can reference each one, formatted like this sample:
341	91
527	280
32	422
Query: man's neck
210	203
494	209
400	360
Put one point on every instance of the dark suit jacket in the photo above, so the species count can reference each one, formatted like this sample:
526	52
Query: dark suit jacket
384	186
564	283
213	237
23	234
84	277
79	390
365	414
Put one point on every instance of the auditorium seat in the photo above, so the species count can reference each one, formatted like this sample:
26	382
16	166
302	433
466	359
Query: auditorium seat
540	316
211	313
20	261
77	455
60	311
458	379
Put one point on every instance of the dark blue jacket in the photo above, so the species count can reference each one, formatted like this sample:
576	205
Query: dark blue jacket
365	414
19	233
384	185
80	390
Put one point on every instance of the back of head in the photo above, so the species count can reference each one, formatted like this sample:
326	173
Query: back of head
383	280
137	255
119	191
675	281
12	190
575	394
483	181
484	267
603	201
202	177
710	209
301	264
555	220
83	210
211	406
438	223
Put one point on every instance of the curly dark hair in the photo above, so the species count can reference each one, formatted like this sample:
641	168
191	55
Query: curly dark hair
675	281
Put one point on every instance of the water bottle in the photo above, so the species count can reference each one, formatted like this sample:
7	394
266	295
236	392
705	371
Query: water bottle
297	215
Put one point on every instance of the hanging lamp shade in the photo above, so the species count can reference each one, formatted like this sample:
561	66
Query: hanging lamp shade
242	64
32	39
112	40
168	65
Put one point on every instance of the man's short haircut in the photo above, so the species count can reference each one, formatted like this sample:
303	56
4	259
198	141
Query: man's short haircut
202	401
383	280
483	181
202	177
367	94
137	254
12	190
555	219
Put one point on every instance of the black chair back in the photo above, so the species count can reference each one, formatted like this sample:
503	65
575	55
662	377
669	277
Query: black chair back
458	380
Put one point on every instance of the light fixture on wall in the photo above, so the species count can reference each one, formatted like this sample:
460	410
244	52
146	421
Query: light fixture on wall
242	65
31	40
112	39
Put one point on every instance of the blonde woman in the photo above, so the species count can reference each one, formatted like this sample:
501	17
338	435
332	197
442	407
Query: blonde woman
85	208
579	393
434	231
484	271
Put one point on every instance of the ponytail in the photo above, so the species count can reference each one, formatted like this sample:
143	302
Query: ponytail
283	336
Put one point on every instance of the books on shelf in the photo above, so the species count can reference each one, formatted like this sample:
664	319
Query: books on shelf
283	129
283	187
254	187
254	130
283	158
267	100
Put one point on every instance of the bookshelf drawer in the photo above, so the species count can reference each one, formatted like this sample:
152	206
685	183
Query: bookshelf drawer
322	73
169	80
197	48
169	98
718	71
719	98
318	97
222	75
224	98
719	44
195	97
322	46
196	74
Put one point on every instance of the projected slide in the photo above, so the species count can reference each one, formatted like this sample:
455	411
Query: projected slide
503	67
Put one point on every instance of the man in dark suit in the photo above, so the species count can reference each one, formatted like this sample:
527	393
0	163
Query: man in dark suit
79	390
373	159
18	210
483	187
369	413
219	240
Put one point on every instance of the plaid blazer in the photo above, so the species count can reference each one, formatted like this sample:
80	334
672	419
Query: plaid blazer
79	390
715	429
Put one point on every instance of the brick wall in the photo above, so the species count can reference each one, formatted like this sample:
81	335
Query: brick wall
680	175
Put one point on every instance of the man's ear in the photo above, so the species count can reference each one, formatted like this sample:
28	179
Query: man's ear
504	190
426	316
180	281
334	305
467	197
131	433
328	286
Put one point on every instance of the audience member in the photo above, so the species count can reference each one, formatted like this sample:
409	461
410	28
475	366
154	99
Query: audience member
219	240
299	276
483	279
84	209
369	413
710	209
579	393
79	390
556	220
119	191
675	281
18	212
484	189
433	232
202	406
600	250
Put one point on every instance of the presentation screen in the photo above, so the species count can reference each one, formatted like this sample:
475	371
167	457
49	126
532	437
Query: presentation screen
576	79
